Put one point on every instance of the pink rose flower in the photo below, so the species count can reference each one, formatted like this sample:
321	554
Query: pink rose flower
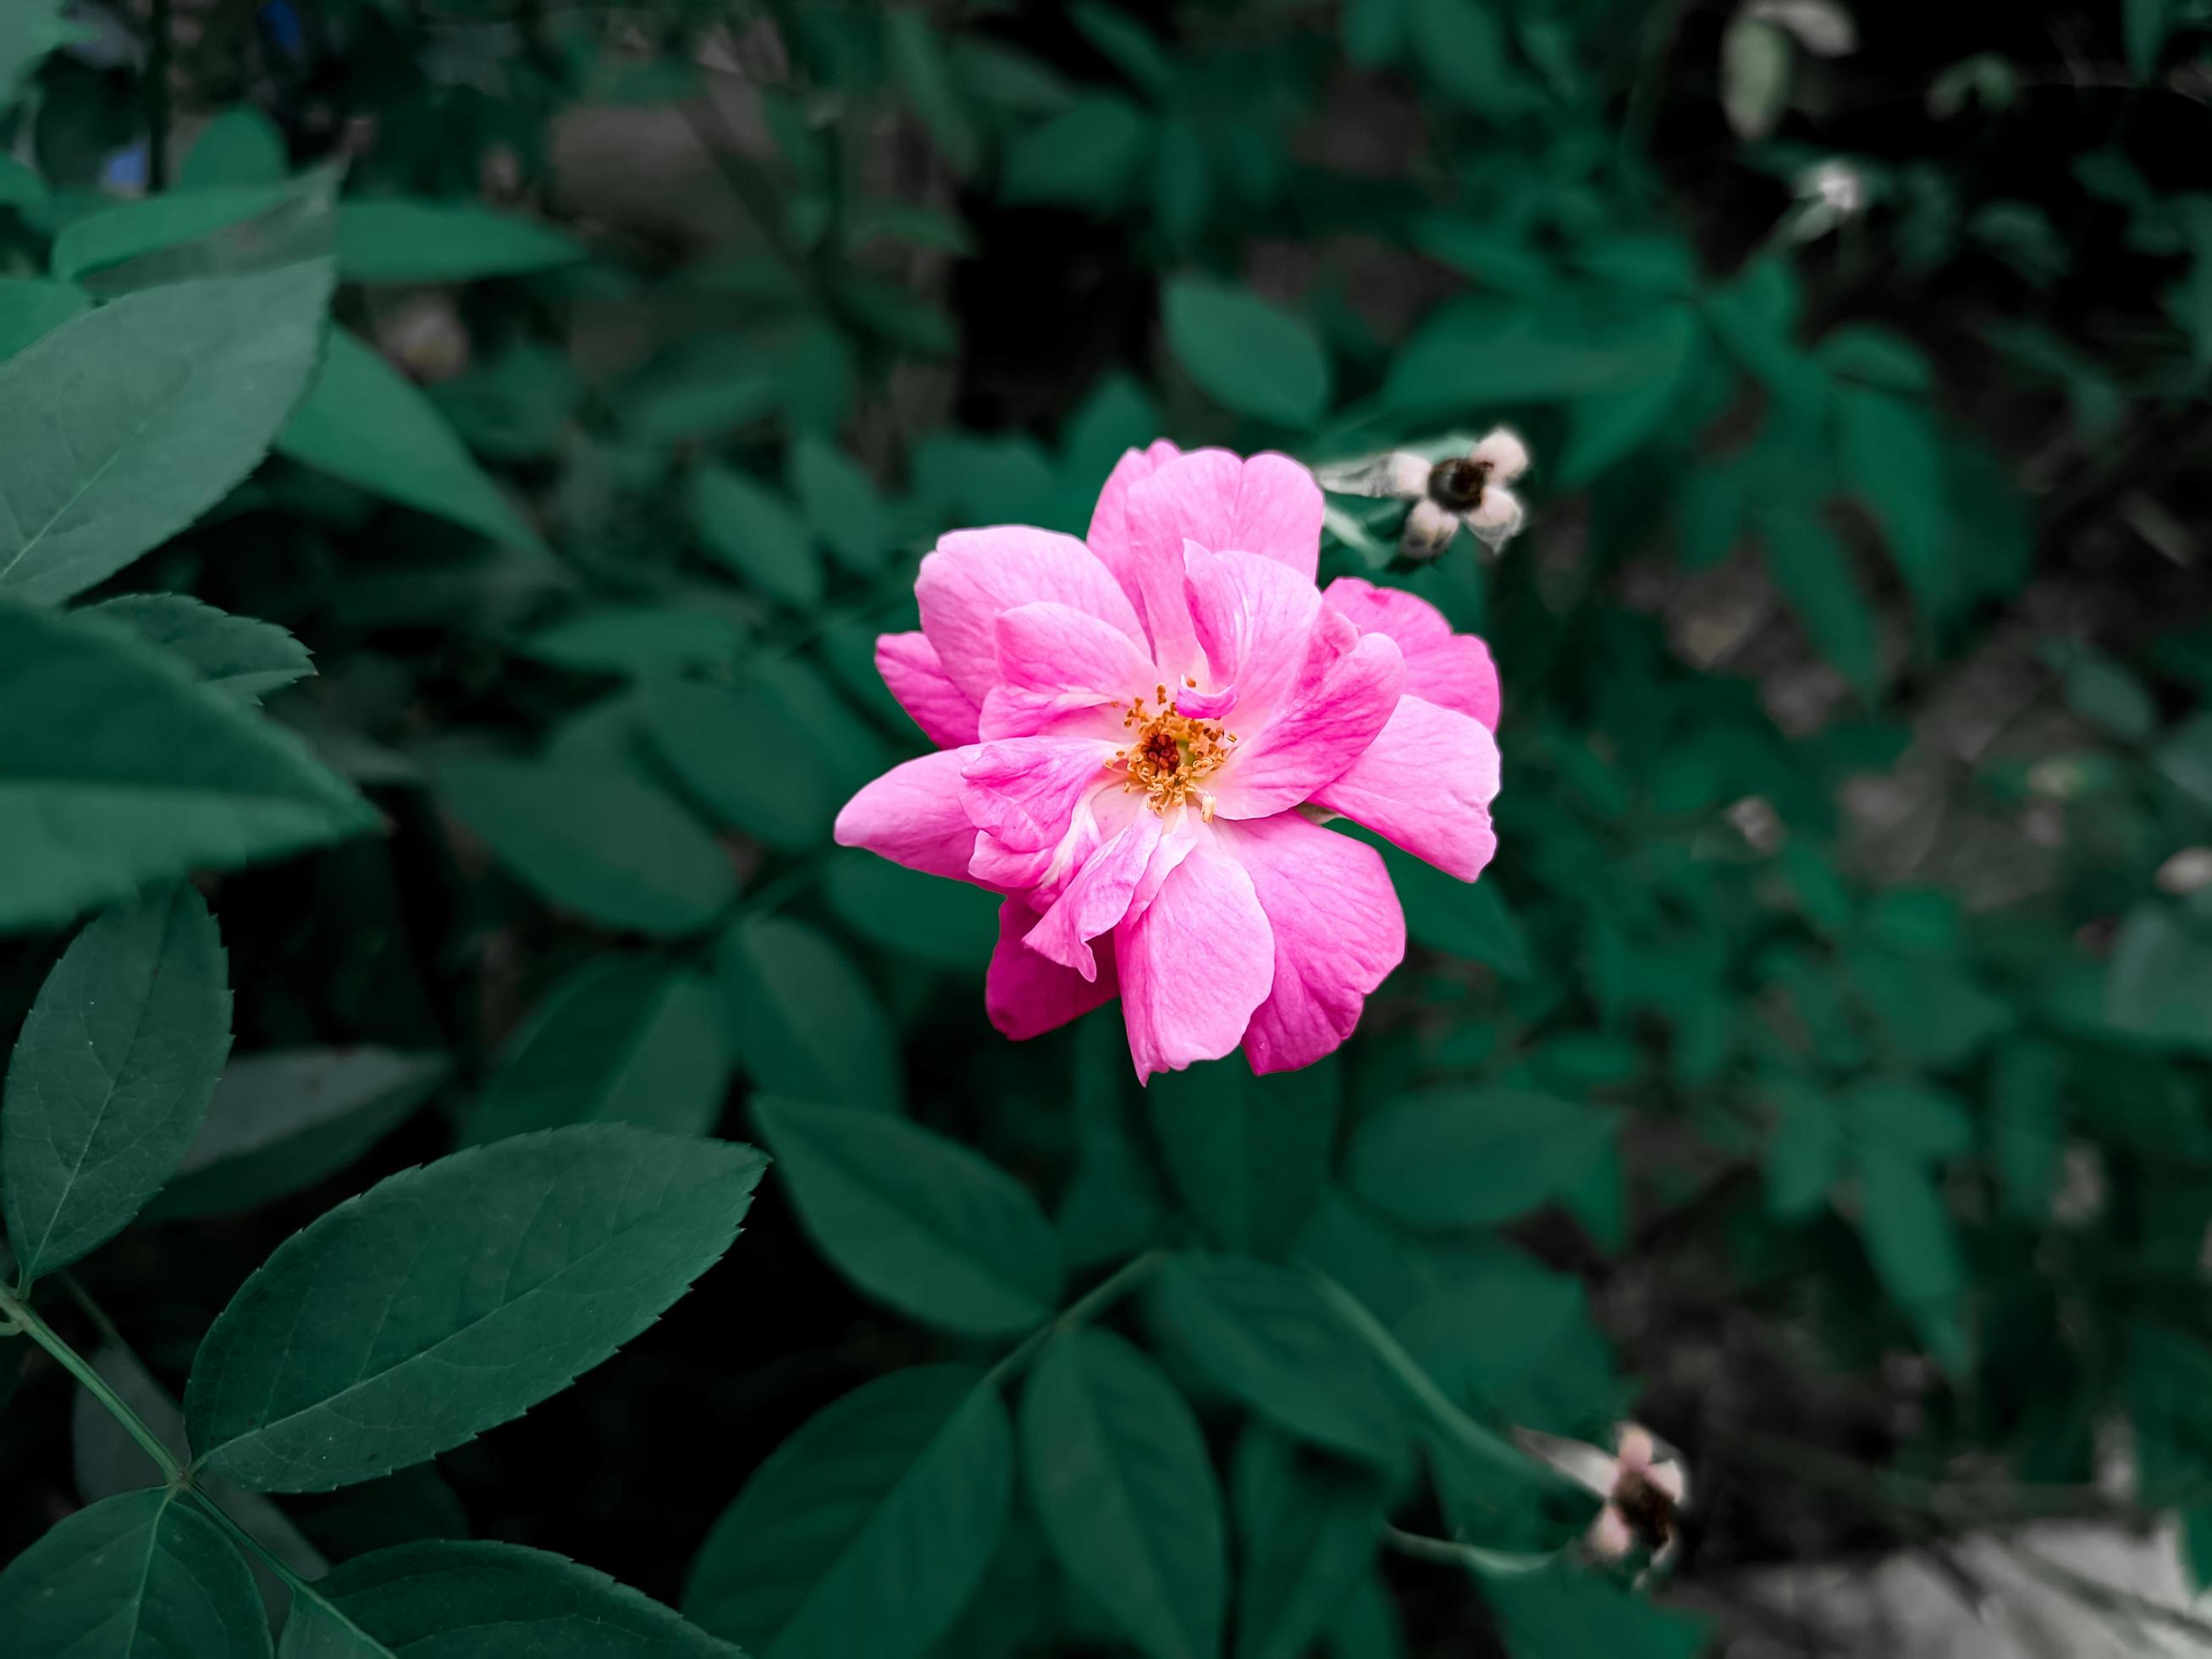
1138	738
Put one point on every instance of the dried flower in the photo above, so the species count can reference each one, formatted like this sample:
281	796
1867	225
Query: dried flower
1644	1484
1468	489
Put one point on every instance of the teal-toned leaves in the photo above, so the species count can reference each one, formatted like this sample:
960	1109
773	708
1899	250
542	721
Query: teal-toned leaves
110	1076
1084	156
283	1121
1117	1472
916	1219
365	422
239	656
1467	1158
242	146
1248	1155
31	307
30	30
749	529
764	756
1566	1613
593	838
179	777
1813	572
1909	1240
1265	1334
841	503
121	427
867	1530
621	1040
1307	1531
949	923
636	639
1247	354
491	1601
402	240
808	1025
110	235
139	1576
447	1299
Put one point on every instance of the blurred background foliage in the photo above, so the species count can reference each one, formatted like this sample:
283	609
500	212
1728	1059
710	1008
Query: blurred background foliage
1819	1072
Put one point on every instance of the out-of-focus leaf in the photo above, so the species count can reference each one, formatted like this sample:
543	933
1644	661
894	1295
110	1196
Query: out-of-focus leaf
1086	156
2144	23
1568	1612
916	1219
1804	1155
807	1024
1814	575
620	1040
242	146
868	1531
752	531
1910	1239
599	840
283	1121
928	917
841	503
32	308
1247	354
1248	1155
1754	73
365	422
636	639
1465	1157
31	29
124	231
1118	1473
1307	1531
918	66
402	240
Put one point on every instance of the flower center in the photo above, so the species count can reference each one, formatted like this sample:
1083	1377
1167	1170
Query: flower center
1457	484
1170	754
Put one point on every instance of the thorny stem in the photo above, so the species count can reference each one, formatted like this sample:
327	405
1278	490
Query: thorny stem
1084	1309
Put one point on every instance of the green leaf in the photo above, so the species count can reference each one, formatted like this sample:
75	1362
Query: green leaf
867	1530
110	1076
1913	1120
365	422
919	68
1814	575
181	777
2159	985
596	839
621	1040
636	639
916	1219
1467	918
1247	354
29	30
237	655
1264	1333
1613	424
949	923
2028	1125
1486	353
31	307
1308	1531
140	1575
1248	1155
1915	1254
112	235
447	1299
1570	1612
841	503
1754	74
283	1121
2144	24
807	1024
1086	156
749	529
242	146
2100	689
400	239
1467	1158
488	1601
1506	1332
1892	457
1804	1155
1118	1473
746	757
124	425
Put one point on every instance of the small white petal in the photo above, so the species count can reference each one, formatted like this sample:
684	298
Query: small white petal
1429	530
1635	1446
1505	454
1497	517
1668	1475
1405	477
1822	28
1610	1537
1581	1463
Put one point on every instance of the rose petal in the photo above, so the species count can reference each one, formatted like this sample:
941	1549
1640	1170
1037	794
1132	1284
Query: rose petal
1195	965
1062	669
1339	931
1097	897
1318	734
1453	671
1255	620
911	815
975	575
1026	994
910	667
1108	537
1426	783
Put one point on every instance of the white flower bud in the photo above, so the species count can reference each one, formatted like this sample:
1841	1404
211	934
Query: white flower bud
1503	451
1429	530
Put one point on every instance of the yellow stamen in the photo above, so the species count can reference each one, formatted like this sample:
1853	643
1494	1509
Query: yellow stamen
1171	753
